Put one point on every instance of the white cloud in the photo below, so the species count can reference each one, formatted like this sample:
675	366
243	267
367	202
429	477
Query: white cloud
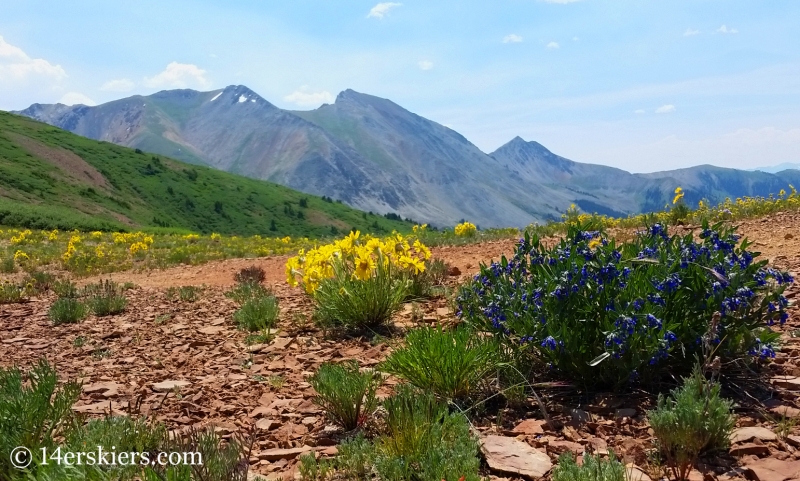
553	45
724	29
306	98
381	9
665	109
425	65
75	98
179	75
512	38
118	85
17	65
639	111
689	32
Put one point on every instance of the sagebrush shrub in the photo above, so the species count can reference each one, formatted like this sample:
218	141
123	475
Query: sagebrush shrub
694	419
258	313
452	364
424	441
345	394
351	302
34	410
605	314
105	298
594	468
67	310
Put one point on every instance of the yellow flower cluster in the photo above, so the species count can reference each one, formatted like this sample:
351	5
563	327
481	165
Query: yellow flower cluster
22	238
20	256
678	195
466	229
418	229
360	255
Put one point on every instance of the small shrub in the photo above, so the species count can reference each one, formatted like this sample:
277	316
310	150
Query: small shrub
258	313
346	395
252	274
312	469
65	288
11	293
105	298
7	266
355	458
189	293
351	302
693	420
245	291
605	314
450	364
32	413
41	281
67	310
594	468
424	441
222	460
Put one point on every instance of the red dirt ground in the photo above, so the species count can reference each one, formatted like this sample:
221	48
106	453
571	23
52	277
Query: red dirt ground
233	386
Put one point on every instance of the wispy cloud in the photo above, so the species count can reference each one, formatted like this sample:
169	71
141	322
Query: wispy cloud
76	98
179	75
725	29
19	65
665	109
512	38
552	45
305	98
639	111
690	33
425	65
118	85
382	9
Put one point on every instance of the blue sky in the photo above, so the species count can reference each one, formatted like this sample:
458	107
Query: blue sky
637	84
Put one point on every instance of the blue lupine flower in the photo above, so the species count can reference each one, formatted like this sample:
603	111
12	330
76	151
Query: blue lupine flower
653	321
550	343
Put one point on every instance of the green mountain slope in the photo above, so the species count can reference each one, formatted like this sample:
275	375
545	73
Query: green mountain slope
50	178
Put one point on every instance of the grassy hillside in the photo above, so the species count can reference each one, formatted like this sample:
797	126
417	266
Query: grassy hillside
50	178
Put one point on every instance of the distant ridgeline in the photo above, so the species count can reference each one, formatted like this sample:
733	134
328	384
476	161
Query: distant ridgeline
53	179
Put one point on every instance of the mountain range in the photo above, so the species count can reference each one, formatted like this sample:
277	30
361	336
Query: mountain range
376	156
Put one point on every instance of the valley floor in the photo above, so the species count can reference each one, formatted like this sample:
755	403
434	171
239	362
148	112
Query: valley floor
126	363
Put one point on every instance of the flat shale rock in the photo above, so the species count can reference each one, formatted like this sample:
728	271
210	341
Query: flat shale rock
512	456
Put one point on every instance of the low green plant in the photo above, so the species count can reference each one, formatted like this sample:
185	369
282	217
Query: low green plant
347	301
245	291
7	266
313	469
424	442
226	460
79	341
594	468
451	364
105	298
41	281
258	313
345	394
65	288
355	458
34	411
12	293
693	420
189	293
67	310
